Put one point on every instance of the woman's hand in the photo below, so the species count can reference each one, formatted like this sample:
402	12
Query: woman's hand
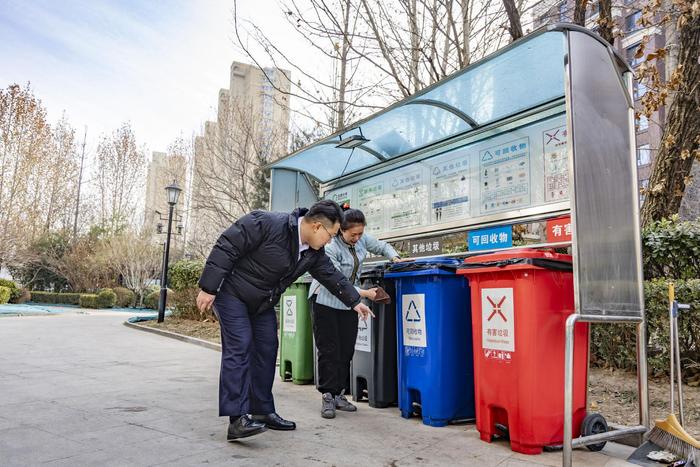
364	311
370	294
205	301
396	259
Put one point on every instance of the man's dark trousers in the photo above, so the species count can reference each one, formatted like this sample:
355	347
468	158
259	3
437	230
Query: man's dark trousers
248	355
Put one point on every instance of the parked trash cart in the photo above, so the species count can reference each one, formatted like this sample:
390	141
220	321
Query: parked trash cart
520	302
373	372
434	341
296	345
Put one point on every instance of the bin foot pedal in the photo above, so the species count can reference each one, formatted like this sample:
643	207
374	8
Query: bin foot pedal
302	381
525	449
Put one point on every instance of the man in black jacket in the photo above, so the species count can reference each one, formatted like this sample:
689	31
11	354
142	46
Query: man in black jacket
250	266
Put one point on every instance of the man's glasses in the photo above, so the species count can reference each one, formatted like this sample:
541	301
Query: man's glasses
330	235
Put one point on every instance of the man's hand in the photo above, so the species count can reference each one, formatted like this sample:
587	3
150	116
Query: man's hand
370	294
204	301
364	311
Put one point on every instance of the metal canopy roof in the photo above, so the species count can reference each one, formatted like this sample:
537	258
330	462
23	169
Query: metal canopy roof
527	73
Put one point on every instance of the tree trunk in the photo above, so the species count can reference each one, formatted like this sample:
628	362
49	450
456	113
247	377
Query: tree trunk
415	44
580	12
466	31
345	48
515	27
681	137
605	21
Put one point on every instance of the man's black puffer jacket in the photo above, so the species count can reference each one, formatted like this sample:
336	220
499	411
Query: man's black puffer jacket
255	260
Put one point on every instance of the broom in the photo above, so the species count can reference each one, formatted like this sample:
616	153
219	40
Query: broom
669	433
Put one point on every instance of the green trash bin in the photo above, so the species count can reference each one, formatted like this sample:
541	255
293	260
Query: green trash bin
296	336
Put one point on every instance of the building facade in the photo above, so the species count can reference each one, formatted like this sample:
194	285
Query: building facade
251	130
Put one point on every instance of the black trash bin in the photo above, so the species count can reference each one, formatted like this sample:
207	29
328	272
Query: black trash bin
373	371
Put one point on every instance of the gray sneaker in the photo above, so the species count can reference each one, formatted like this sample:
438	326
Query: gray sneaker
341	403
327	405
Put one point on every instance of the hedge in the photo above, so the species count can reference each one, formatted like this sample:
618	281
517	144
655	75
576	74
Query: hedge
671	249
184	279
125	297
153	298
4	294
184	274
16	293
55	298
614	345
104	299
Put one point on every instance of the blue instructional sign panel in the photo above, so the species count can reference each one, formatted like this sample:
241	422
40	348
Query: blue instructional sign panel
491	238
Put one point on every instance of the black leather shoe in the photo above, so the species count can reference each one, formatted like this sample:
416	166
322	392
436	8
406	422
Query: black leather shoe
244	427
275	422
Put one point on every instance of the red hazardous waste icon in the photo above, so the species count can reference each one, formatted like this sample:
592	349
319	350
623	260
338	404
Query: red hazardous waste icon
497	308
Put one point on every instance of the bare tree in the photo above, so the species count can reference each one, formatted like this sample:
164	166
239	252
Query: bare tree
379	52
25	136
228	176
680	144
83	267
515	28
59	177
120	168
134	258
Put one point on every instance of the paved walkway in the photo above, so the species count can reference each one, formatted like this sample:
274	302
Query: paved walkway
82	389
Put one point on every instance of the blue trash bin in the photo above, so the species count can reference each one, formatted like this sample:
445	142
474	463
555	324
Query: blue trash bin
434	341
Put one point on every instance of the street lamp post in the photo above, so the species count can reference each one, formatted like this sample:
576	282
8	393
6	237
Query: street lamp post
173	191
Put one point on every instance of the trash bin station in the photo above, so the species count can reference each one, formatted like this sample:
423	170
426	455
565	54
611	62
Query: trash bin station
531	147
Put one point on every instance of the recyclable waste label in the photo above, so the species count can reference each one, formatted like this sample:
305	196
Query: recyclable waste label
289	313
413	319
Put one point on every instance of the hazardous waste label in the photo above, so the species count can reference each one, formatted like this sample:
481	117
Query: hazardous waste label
497	323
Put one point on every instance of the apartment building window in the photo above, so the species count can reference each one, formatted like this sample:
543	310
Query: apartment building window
630	53
643	185
639	90
593	10
632	21
643	155
642	123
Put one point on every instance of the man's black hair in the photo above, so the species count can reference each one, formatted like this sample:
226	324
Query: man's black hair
325	210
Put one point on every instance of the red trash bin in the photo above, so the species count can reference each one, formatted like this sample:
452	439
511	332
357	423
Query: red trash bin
520	302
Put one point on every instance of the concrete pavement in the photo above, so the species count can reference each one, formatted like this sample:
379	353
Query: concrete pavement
82	389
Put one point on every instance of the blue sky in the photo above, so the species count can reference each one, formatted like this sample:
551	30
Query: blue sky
158	64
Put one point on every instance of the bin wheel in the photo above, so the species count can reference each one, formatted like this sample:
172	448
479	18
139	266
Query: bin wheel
594	424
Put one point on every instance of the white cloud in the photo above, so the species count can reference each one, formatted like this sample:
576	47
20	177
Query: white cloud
104	63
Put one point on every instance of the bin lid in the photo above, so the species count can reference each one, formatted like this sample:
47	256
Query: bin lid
373	271
522	258
422	266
